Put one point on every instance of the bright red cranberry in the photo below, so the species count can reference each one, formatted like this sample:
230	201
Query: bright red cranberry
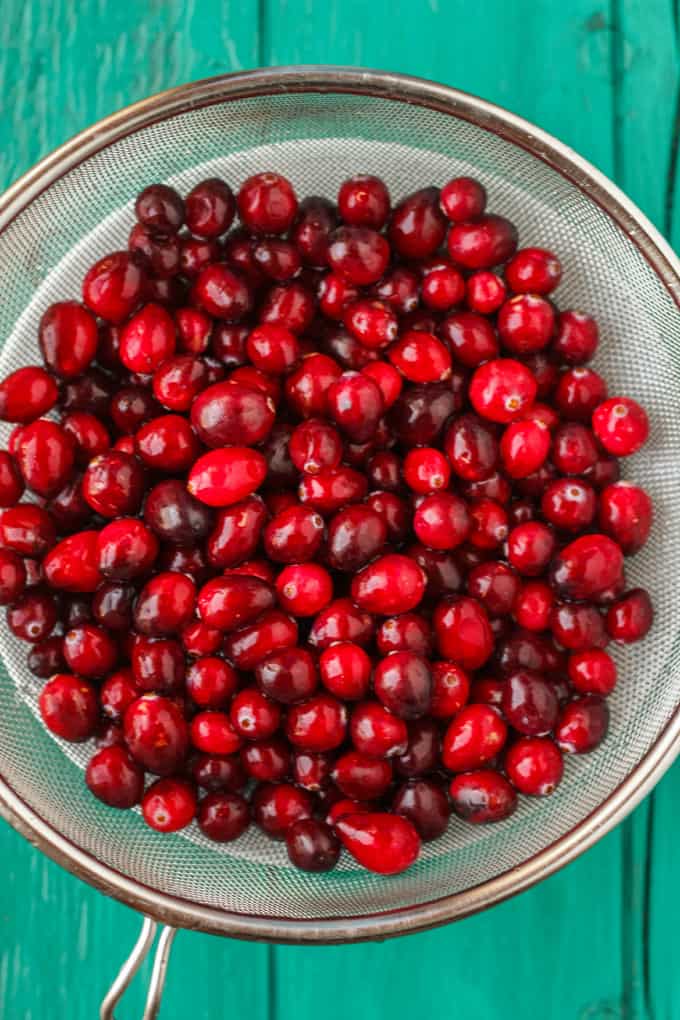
377	732
214	733
533	270
236	533
364	201
501	390
113	484
485	292
12	576
169	805
232	601
630	618
117	693
621	425
372	323
526	323
426	470
542	414
198	639
586	567
482	796
268	761
417	226
278	806
272	348
304	589
470	337
425	804
441	521
442	288
361	777
45	456
72	564
345	670
335	295
391	584
359	254
89	434
569	504
582	725
290	305
222	293
403	682
114	286
341	621
489	524
462	632
210	682
165	604
126	548
267	203
194	329
178	380
89	651
229	413
579	391
68	338
462	199
312	845
11	482
529	703
226	476
471	447
421	357
319	724
194	255
495	585
68	706
408	632
306	388
315	445
294	535
26	394
574	450
473	737
450	689
273	631
592	671
531	547
625	513
167	444
576	338
533	604
399	289
332	488
484	243
223	817
27	529
534	766
524	447
355	403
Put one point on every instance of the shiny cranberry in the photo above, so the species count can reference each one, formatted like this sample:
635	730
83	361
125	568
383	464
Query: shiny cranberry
495	585
470	337
126	548
341	621
315	445
403	682
391	584
210	682
569	504
332	488
89	651
226	476
420	357
534	766
425	804
290	305
165	604
272	348
45	658
441	521
236	533
223	817
232	601
229	413
228	344
630	618
45	456
68	706
364	201
73	564
169	805
462	632
372	323
361	777
484	243
485	292
160	207
27	529
417	226
442	288
482	796
592	671
345	670
312	845
26	394
268	761
579	391
11	482
582	725
210	208
471	448
215	772
574	450
194	329
377	732
273	631
198	639
533	604
358	254
68	338
625	513
489	524
524	447
318	724
253	715
576	338
304	589
426	469
175	516
355	403
115	778
167	444
502	389
267	203
419	415
316	219
529	703
307	386
473	737
112	605
287	676
526	323
531	547
335	295
114	286
621	425
278	806
132	406
113	484
586	567
147	339
383	843
421	755
408	632
222	293
533	271
161	252
462	199
213	733
294	535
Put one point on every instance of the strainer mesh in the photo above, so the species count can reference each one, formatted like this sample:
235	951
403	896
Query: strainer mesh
317	141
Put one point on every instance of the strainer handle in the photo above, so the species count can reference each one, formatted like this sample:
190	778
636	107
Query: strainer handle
134	961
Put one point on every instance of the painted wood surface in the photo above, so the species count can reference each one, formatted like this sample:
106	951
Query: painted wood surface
599	939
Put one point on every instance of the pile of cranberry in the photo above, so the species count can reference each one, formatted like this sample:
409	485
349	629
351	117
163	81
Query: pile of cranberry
324	530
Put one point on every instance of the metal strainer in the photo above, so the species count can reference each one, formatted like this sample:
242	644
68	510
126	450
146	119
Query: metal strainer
317	126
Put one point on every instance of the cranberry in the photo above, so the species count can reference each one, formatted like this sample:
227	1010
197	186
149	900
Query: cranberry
391	584
485	292
470	338
287	676
372	323
304	589
45	456
482	796
294	535
625	513
484	243
526	323
332	488
277	806
383	843
533	604
586	567
569	504
115	778
175	516
199	639
425	804
630	617
341	621
26	394
268	761
114	286
376	732
462	631
420	413
271	632
355	403
315	445
73	563
592	671
11	482
474	736
403	682
574	450
417	226
68	338
160	251
210	208
462	199
113	484
68	706
267	203
345	670
112	605
312	845
621	426
165	604
214	733
160	207
45	658
408	632
364	201
442	288
222	293
578	393
226	476
315	221
27	530
524	650
576	627
582	725
215	772
533	271
223	816
471	448
289	305
501	390
422	751
360	777
529	703
232	601
576	338
89	651
211	682
534	766
489	524
524	447
169	805
530	547
394	512
495	585
358	254
441	521
426	470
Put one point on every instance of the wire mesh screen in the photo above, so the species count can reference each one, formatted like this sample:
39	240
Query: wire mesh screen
317	141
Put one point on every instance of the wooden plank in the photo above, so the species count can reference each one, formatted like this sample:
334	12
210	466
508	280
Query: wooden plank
62	66
552	63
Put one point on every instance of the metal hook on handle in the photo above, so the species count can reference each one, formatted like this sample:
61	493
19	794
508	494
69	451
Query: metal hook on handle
134	961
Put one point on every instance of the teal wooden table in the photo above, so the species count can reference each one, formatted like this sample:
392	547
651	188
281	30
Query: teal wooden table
598	940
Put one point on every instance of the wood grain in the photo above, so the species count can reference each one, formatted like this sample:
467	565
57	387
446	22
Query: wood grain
595	941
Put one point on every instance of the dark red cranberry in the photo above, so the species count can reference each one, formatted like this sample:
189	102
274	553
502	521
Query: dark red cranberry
625	513
27	529
222	293
236	533
462	199
175	516
577	626
341	621
165	604
630	618
482	796
287	676
533	271
281	472
68	706
215	772
355	536
495	585
112	605
417	226
579	391
377	732
32	616
483	243
115	778
267	203
211	682
425	804
359	254
582	725
12	577
420	413
576	338
403	682
529	703
45	658
316	219
273	631
394	512
290	305
331	489
210	208
278	806
312	845
68	338
223	817
160	207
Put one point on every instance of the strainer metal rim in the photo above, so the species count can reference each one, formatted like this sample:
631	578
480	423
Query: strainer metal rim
174	910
